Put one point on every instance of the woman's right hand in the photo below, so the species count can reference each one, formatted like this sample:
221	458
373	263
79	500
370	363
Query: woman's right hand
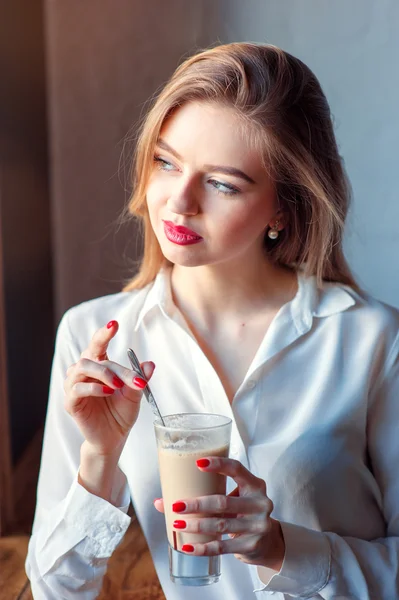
101	396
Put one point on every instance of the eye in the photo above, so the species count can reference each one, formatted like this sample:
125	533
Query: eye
163	164
224	188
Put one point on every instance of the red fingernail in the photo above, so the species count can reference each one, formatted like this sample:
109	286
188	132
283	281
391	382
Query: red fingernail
108	390
203	462
187	548
139	382
117	382
179	506
111	324
179	524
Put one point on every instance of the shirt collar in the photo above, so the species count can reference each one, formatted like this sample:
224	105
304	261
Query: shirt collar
159	296
334	298
309	301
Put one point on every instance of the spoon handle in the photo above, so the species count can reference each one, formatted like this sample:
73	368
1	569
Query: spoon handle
147	391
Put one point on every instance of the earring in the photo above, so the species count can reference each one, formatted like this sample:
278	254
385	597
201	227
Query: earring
273	232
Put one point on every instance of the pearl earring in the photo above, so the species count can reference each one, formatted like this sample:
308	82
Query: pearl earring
273	232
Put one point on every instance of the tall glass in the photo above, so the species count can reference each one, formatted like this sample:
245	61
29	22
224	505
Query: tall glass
185	438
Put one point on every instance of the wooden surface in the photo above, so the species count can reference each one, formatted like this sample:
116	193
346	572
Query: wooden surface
13	580
130	574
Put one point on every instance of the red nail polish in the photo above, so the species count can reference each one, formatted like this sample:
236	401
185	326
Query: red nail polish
139	382
117	382
108	390
111	324
179	524
187	548
179	506
203	462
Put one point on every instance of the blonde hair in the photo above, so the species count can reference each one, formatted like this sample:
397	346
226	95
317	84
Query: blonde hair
282	104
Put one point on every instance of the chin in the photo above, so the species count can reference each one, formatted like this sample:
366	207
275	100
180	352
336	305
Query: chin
186	262
185	258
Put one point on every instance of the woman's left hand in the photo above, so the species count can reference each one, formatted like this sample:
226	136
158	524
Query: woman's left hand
256	538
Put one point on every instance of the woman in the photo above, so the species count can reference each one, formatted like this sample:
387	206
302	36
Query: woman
246	305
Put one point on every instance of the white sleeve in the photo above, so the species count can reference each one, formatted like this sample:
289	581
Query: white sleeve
326	565
74	532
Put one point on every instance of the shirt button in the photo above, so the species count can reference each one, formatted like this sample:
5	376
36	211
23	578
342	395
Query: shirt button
116	528
251	384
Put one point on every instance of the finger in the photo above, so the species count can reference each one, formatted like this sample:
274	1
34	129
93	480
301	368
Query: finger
234	469
83	390
97	349
107	372
158	503
235	492
240	545
70	369
100	372
218	504
148	368
220	526
130	377
76	378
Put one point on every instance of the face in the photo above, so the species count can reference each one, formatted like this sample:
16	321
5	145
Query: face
207	178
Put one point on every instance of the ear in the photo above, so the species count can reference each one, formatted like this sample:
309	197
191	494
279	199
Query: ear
279	221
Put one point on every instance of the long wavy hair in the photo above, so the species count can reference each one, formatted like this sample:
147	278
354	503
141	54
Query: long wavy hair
284	109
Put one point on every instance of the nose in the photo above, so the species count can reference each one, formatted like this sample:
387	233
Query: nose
183	198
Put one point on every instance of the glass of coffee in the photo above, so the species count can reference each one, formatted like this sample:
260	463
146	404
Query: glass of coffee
181	442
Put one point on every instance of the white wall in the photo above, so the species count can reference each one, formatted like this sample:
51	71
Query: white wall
353	48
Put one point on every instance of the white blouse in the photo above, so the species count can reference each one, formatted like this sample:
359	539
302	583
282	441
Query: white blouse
316	417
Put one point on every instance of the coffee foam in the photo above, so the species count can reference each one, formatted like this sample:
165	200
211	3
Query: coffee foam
187	432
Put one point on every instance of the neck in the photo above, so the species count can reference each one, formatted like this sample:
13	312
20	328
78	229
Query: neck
211	293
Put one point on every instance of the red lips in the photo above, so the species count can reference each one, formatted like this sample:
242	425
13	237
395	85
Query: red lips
181	229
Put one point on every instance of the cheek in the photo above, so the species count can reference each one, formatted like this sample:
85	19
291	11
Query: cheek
155	198
247	218
239	225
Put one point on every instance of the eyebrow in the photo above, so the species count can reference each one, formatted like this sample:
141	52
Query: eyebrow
220	169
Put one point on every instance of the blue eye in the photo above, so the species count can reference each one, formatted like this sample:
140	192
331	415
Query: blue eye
162	164
223	188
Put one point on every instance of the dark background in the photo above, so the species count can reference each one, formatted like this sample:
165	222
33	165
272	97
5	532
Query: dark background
26	235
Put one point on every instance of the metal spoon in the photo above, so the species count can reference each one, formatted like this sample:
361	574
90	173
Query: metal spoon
147	392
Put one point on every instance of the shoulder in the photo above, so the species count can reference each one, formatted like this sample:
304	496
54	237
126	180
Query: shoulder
373	312
111	303
82	320
362	314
